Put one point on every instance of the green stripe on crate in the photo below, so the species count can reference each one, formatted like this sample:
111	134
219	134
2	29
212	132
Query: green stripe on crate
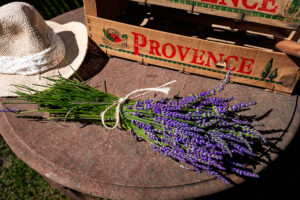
294	8
193	66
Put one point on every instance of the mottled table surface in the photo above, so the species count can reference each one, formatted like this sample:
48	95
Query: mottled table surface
112	164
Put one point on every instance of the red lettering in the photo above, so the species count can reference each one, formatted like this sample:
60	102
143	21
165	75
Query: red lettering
210	56
196	56
227	62
154	45
210	1
265	5
243	65
221	56
136	43
235	2
223	2
245	3
182	55
173	50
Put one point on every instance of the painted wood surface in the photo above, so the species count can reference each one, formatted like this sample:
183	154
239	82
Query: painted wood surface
271	70
280	13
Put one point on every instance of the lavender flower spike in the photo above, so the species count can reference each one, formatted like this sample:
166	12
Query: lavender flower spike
200	131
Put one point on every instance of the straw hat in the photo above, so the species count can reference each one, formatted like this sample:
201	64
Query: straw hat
31	48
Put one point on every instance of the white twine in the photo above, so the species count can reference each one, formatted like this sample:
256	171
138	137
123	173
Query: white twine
120	102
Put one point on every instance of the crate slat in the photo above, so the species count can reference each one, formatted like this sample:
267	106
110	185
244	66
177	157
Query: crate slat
279	13
208	20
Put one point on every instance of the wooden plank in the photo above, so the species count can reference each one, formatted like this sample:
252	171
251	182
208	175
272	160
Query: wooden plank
187	5
294	36
140	1
182	16
90	7
198	56
289	47
279	13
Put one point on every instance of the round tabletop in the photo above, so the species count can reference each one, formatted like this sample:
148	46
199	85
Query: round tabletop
112	163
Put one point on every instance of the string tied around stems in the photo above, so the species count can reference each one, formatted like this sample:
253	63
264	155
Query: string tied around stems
121	101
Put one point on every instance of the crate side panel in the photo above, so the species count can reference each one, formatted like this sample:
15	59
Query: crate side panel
249	65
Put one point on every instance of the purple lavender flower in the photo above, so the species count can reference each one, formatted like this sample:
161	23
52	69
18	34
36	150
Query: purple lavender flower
198	130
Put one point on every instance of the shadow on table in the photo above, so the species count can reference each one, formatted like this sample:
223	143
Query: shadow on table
94	62
280	180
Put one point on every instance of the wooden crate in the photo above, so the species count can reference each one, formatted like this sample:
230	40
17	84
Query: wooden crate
200	44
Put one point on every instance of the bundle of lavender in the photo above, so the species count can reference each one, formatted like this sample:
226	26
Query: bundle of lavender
200	132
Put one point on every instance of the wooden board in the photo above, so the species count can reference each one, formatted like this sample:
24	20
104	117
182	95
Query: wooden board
208	21
279	13
249	65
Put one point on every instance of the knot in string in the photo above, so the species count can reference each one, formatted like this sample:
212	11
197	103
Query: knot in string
121	101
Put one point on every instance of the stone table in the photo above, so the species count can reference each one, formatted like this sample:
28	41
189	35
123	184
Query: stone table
113	164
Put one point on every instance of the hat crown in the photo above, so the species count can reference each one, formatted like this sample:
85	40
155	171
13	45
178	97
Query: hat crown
23	31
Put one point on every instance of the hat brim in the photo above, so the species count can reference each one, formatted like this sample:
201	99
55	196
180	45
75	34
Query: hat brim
75	39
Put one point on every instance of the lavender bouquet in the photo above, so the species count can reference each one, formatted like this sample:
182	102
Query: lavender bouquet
200	132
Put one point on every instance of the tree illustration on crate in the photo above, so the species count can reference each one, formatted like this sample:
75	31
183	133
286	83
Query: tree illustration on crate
294	8
267	69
